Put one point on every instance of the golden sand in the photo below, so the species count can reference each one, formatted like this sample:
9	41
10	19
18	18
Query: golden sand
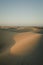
25	42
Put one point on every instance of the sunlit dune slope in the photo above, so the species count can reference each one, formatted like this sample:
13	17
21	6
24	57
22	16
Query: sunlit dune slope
25	42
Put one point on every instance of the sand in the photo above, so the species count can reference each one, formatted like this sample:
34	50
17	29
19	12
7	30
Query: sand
25	42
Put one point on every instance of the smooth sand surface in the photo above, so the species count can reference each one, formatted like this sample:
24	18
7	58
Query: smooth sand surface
25	42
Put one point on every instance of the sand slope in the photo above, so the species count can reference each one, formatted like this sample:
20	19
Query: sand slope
25	42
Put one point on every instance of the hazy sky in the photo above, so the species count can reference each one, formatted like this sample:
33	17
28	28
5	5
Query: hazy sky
21	12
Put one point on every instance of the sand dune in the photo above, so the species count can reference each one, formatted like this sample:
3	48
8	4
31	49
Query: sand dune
25	42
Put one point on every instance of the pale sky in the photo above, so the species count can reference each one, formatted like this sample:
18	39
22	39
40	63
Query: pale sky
21	12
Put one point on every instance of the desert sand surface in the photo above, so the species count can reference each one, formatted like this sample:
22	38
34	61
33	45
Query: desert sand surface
25	42
27	49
